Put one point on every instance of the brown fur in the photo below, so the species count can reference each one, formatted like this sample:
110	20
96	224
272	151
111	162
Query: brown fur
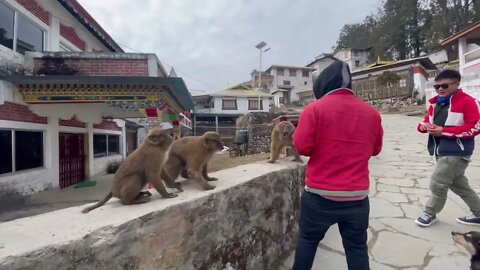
282	137
142	166
471	242
189	157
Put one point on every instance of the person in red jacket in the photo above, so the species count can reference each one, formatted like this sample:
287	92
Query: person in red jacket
452	122
340	133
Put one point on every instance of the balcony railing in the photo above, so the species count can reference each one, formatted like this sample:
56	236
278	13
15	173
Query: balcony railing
472	55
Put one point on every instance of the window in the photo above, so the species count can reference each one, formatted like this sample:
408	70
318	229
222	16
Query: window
305	83
403	83
229	104
280	100
28	154
357	63
355	53
305	73
7	18
106	145
293	72
29	37
280	72
286	82
253	104
6	160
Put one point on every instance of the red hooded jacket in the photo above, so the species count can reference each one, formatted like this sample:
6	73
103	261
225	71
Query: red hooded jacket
339	133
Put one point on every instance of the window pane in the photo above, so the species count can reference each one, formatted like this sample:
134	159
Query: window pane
6	26
29	36
6	152
99	145
28	150
113	145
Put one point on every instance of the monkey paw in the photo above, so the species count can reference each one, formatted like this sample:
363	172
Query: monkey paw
209	187
271	161
212	179
178	186
297	160
170	195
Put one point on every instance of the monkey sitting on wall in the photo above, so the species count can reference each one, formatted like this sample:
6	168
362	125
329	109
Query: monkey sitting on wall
142	165
189	157
282	137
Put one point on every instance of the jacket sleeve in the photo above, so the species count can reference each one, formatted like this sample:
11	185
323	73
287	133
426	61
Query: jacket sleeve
304	137
471	118
426	120
379	139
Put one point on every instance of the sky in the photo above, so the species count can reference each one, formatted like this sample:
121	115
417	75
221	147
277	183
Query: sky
211	43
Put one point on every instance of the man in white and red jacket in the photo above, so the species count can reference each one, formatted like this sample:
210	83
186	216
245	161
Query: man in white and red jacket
339	133
452	122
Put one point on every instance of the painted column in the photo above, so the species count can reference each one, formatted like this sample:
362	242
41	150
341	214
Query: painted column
52	153
91	168
53	43
216	123
462	50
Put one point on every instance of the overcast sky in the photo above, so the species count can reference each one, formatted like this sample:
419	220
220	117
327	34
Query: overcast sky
211	42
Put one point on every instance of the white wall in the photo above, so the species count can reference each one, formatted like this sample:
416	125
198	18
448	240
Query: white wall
242	106
419	84
52	31
297	82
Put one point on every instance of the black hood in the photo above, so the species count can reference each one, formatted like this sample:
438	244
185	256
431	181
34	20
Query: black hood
336	75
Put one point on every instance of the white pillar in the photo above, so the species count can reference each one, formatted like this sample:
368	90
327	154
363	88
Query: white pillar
52	154
91	168
53	43
216	123
462	50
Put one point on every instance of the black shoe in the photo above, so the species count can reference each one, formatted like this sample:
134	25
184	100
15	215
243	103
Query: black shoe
426	220
469	220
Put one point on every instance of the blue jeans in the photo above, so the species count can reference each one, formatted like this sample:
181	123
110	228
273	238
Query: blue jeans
317	214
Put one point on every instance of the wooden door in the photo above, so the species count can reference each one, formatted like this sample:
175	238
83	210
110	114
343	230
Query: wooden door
72	159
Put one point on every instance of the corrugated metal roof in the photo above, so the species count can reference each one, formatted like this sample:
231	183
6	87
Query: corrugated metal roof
240	90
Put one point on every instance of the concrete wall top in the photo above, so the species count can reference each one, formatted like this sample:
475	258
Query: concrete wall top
63	226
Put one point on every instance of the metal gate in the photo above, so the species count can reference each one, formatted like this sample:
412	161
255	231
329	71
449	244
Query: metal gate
72	159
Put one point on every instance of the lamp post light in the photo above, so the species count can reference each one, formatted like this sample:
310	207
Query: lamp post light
260	47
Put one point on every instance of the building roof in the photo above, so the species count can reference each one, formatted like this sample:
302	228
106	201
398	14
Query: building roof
424	61
175	86
292	67
78	12
240	90
473	31
319	58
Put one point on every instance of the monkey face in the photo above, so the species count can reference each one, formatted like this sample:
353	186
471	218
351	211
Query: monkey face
470	240
286	129
159	137
212	141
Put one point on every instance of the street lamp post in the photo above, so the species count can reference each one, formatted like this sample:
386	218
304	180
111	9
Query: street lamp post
260	47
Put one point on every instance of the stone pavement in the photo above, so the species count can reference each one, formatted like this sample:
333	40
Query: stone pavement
399	188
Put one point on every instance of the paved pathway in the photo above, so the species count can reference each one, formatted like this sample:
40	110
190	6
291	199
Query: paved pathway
399	189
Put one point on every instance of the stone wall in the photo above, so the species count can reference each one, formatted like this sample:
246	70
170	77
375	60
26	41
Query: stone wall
259	126
248	222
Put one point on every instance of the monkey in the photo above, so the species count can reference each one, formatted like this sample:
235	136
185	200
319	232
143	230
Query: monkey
189	157
141	166
282	137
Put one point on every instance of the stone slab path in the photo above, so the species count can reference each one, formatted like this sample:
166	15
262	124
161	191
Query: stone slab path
400	178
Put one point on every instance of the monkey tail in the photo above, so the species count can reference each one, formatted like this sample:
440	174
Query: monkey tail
98	204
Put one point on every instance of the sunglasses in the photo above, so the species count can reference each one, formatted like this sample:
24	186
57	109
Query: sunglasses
443	86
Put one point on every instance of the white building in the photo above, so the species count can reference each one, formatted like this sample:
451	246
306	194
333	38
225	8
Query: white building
287	82
220	110
65	85
468	58
356	59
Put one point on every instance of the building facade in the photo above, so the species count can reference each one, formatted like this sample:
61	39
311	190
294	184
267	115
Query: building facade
412	77
287	82
356	59
67	90
219	111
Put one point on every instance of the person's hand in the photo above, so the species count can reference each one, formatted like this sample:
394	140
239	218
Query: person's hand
425	126
435	130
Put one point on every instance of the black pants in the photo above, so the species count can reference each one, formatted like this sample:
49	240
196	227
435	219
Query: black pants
317	214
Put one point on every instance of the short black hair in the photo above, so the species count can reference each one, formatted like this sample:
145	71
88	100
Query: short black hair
449	74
